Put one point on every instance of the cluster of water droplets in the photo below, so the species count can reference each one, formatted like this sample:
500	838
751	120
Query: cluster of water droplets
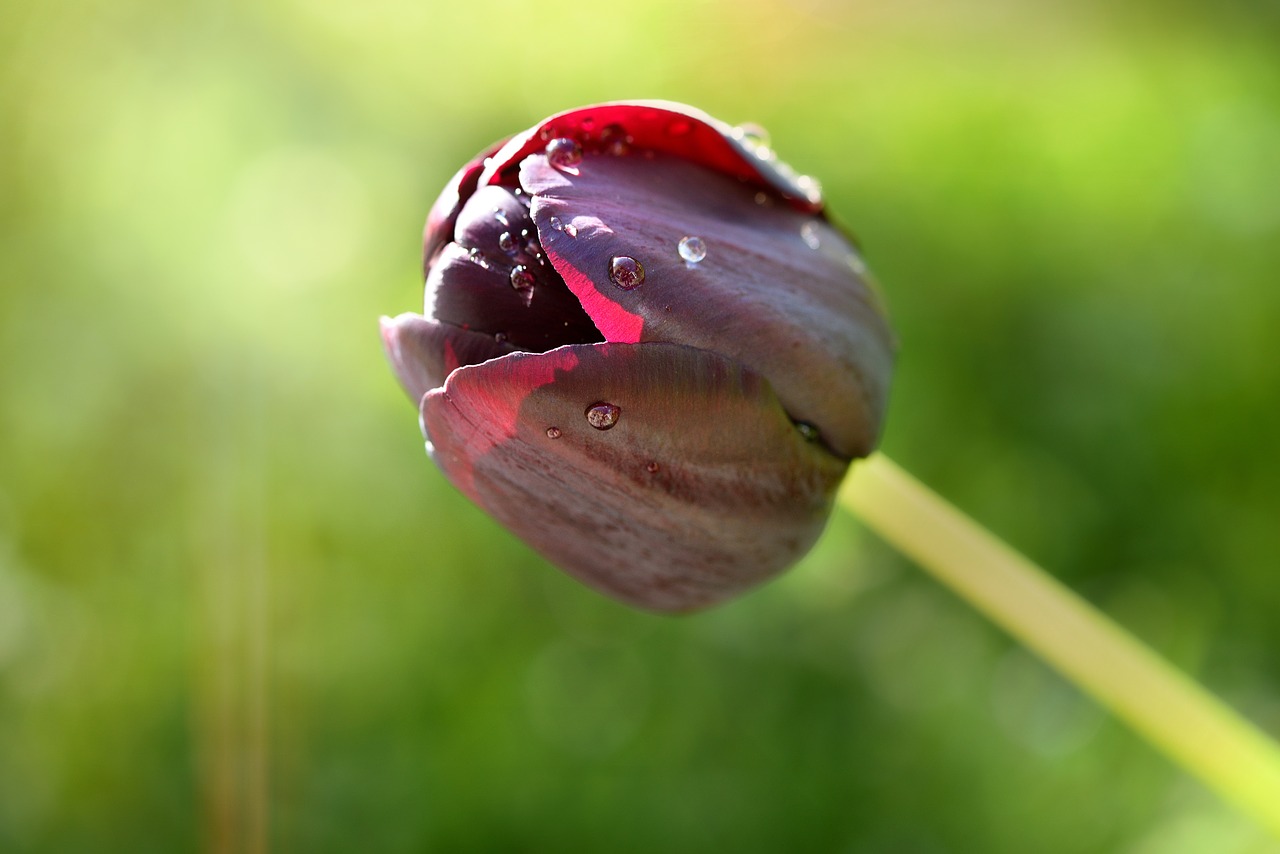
754	141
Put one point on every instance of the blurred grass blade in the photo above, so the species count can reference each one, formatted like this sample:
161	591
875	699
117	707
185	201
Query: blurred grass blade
1166	707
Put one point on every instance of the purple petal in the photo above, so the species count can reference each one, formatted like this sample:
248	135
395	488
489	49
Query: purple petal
778	290
701	487
423	353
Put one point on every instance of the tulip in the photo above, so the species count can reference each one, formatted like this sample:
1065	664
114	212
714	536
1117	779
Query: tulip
645	350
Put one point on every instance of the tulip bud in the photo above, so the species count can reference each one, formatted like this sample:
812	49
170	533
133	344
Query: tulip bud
645	350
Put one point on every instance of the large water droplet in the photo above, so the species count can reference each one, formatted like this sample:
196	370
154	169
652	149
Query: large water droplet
602	415
564	153
692	249
626	272
521	278
810	235
553	433
507	243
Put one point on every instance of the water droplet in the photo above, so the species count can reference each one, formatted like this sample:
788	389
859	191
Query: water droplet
752	134
553	433
588	123
626	272
546	133
809	234
811	188
501	217
507	243
602	415
615	140
569	229
521	278
692	249
500	337
807	431
652	468
680	127
477	257
564	153
762	198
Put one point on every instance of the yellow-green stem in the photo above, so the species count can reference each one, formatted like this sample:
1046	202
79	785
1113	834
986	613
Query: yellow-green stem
1173	712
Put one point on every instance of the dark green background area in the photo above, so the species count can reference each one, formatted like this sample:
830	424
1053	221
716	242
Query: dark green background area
240	610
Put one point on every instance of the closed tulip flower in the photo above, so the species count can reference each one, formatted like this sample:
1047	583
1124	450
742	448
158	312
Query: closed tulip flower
645	350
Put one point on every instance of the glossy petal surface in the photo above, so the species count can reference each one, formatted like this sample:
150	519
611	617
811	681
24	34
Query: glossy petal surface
702	488
778	290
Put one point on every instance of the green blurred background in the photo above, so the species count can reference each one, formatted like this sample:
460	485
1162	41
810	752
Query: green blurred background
240	611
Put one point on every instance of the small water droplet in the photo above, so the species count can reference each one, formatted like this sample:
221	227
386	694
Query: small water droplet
811	188
652	468
564	153
752	134
809	234
588	123
501	217
553	433
477	257
807	431
546	133
569	229
615	140
521	278
692	249
762	198
626	272
500	337
507	243
602	415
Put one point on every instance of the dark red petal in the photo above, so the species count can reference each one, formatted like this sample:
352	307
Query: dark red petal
664	127
439	227
701	488
423	353
804	317
474	292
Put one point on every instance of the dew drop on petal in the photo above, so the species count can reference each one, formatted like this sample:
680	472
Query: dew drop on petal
507	243
569	229
602	415
762	198
652	468
809	234
626	272
752	134
564	153
615	140
692	249
521	278
501	217
500	337
477	257
807	431
553	433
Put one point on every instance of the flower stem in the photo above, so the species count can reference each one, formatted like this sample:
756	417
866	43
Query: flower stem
1172	711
